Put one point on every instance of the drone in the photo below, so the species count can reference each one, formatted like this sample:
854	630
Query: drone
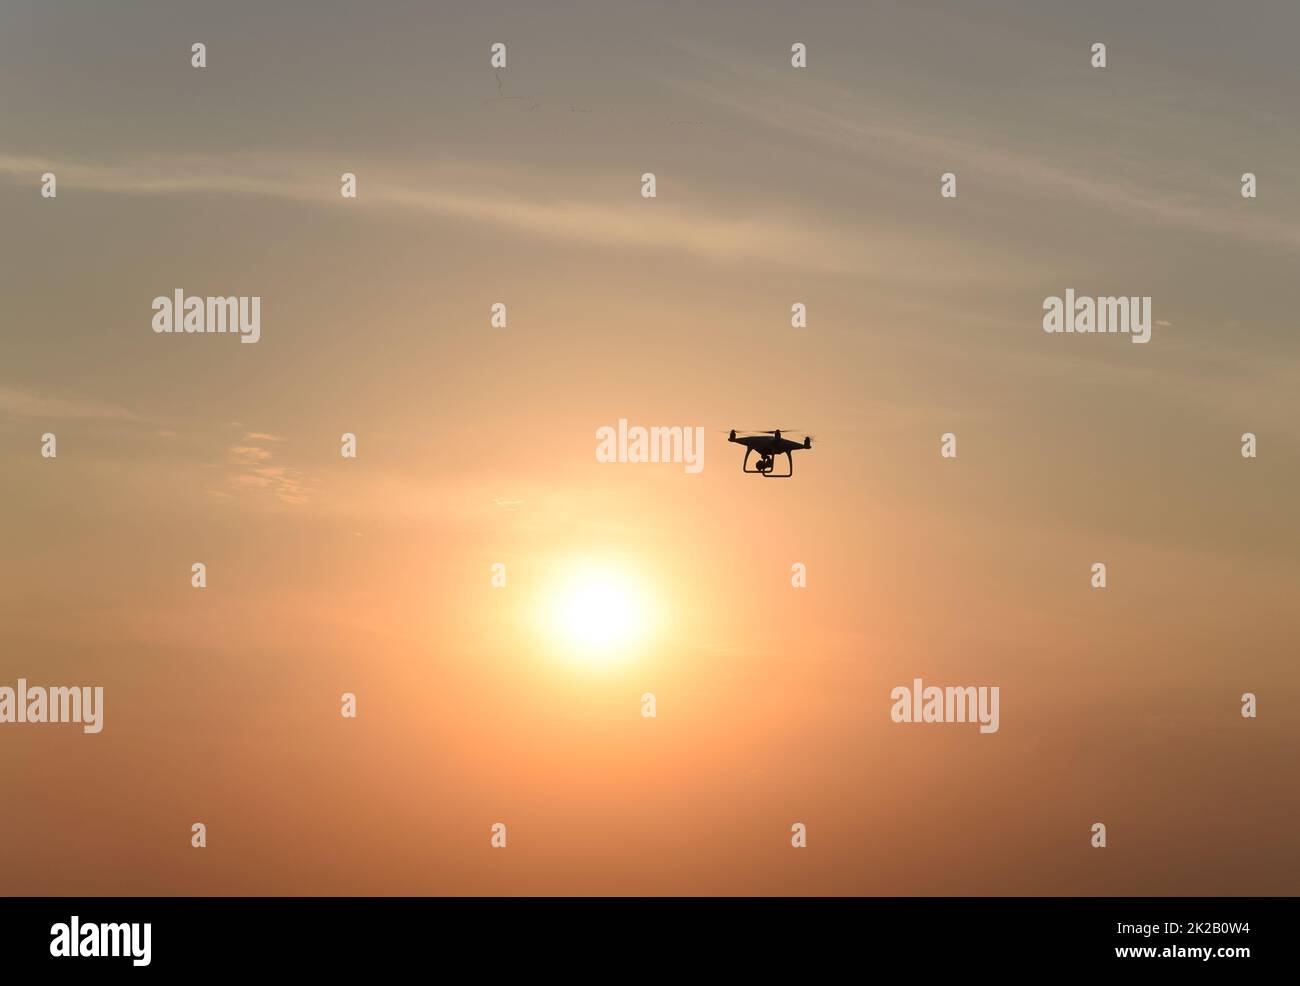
768	445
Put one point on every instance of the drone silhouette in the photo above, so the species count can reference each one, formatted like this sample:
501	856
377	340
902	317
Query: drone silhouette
768	445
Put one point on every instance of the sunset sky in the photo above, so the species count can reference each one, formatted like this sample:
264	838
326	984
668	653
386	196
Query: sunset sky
476	446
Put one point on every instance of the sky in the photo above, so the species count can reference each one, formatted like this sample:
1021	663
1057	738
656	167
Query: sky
476	447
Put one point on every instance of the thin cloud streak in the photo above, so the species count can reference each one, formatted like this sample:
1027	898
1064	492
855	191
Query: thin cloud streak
775	240
24	403
832	115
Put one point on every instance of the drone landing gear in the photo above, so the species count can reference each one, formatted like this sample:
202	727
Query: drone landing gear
766	465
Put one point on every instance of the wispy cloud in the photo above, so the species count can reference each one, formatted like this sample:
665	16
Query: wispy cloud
249	471
519	201
21	402
871	126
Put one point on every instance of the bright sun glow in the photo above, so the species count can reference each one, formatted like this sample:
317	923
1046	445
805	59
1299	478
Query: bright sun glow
598	615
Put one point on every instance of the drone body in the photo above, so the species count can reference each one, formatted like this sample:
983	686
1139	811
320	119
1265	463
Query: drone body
768	445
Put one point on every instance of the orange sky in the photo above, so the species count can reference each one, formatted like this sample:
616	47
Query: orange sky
476	446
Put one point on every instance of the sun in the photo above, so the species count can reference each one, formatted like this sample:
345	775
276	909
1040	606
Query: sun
598	615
